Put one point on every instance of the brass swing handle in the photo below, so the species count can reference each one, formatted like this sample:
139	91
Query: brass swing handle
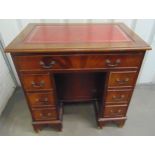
116	111
124	81
45	116
118	98
37	85
45	100
110	64
50	65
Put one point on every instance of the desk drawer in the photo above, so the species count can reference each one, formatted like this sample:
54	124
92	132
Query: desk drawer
122	79
41	99
34	82
115	111
118	96
44	62
44	114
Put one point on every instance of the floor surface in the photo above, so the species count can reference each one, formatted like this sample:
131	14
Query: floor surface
79	119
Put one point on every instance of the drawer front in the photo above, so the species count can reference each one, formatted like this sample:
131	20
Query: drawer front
36	82
41	62
118	96
115	111
122	79
41	99
44	114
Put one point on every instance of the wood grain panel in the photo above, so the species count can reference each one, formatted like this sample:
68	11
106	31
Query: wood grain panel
122	79
34	82
118	96
42	99
115	111
44	114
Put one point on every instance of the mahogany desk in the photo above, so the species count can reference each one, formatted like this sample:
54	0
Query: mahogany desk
59	63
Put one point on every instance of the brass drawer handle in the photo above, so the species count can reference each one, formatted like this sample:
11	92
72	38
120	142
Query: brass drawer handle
124	81
44	101
118	98
50	65
110	64
118	111
37	85
45	116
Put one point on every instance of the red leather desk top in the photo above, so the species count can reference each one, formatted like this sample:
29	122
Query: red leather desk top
76	34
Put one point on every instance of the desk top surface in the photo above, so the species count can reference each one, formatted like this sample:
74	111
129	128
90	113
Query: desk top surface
76	37
72	34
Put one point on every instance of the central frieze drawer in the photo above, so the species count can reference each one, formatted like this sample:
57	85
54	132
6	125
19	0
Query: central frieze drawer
44	62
